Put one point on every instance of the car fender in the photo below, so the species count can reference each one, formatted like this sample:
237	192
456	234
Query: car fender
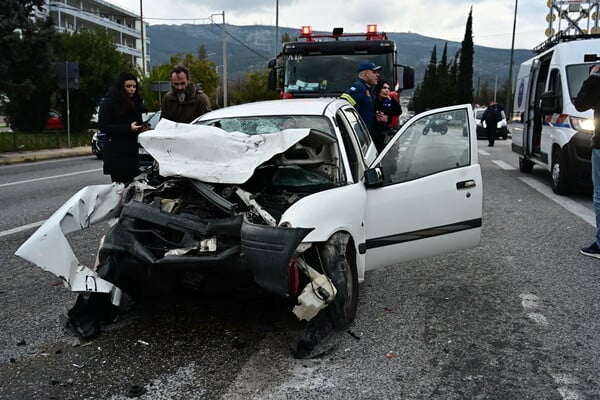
331	211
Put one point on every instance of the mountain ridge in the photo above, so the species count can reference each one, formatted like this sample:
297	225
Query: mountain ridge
249	48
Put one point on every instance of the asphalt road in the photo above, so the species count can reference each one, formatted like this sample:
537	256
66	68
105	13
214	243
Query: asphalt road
514	318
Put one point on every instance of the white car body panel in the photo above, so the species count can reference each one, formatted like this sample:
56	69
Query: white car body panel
331	211
49	249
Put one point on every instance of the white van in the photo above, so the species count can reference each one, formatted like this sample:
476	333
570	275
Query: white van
547	129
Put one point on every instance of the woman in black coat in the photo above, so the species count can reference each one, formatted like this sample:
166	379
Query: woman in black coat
120	117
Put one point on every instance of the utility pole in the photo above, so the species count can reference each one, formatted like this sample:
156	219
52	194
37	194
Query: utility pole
508	104
224	57
276	27
143	41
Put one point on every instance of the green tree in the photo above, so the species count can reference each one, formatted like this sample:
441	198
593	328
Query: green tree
253	88
25	68
98	70
425	92
152	100
464	87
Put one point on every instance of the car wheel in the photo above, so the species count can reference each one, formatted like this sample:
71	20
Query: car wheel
339	263
559	173
444	130
525	165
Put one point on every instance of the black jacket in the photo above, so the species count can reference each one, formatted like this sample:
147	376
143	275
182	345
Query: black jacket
589	97
121	148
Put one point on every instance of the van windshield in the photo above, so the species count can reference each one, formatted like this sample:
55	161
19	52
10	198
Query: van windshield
576	74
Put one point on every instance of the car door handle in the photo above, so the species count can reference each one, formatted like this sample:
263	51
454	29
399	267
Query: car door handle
465	184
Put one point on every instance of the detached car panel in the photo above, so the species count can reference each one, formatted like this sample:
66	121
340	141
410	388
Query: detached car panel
289	194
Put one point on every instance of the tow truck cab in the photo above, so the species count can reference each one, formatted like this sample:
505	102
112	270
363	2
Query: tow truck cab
325	64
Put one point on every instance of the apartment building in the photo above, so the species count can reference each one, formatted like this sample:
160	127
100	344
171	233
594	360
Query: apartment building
123	24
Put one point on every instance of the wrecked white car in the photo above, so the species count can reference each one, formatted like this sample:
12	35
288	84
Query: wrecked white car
289	193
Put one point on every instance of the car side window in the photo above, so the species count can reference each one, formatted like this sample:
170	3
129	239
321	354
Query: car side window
351	145
431	144
359	127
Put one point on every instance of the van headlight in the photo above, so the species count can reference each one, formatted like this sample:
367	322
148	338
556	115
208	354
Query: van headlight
584	125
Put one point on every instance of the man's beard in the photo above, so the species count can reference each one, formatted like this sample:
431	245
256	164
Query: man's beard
181	95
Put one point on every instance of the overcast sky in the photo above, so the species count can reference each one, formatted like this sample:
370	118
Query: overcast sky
444	19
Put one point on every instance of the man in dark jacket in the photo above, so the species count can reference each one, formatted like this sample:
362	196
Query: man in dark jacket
491	123
589	97
185	101
361	94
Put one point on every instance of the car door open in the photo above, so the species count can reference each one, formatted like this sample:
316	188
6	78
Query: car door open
424	193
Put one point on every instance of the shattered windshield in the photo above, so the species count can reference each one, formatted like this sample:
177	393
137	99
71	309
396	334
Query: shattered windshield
270	124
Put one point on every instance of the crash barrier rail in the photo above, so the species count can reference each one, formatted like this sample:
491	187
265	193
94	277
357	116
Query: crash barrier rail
19	141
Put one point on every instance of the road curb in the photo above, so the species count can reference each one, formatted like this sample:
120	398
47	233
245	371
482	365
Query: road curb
27	157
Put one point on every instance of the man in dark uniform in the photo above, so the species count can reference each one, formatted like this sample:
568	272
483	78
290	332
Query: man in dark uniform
362	92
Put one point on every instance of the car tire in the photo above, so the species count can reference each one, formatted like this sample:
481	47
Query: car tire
339	263
558	172
525	165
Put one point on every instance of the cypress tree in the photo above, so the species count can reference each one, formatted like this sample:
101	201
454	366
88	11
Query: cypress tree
465	69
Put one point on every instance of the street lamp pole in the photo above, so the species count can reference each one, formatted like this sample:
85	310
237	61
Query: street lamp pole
508	104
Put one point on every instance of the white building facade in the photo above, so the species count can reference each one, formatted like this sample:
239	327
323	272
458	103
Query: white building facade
124	25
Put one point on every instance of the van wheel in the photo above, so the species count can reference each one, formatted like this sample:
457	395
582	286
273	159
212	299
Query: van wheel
339	263
559	173
525	165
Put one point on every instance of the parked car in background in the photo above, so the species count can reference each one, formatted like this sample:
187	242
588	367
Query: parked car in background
286	197
501	128
99	138
54	120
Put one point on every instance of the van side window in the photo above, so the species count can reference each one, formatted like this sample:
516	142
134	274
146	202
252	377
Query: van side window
555	85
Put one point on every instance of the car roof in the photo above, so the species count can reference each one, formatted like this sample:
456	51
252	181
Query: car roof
275	107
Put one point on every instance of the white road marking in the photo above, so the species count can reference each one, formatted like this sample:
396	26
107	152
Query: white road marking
570	205
563	381
538	318
21	228
503	165
529	301
483	152
50	177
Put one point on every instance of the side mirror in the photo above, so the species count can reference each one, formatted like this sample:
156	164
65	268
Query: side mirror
373	177
272	62
273	79
550	103
408	78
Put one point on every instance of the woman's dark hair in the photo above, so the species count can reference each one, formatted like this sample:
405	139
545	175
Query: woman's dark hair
379	86
118	90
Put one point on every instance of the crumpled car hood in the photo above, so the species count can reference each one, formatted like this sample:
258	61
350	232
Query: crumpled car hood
211	154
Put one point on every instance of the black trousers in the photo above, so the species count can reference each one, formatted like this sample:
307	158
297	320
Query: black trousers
491	134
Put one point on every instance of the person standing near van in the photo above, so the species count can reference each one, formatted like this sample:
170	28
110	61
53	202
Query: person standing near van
489	117
589	97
